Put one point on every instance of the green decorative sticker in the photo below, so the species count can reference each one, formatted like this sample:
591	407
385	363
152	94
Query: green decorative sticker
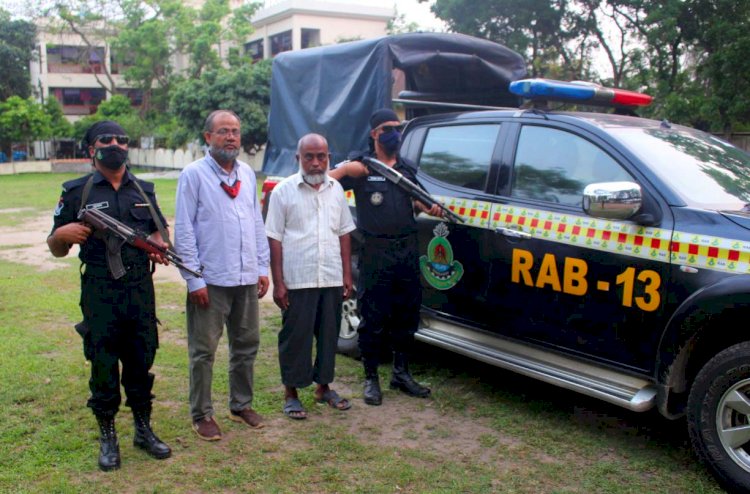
438	266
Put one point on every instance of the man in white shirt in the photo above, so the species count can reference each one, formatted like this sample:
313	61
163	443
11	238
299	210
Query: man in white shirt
308	226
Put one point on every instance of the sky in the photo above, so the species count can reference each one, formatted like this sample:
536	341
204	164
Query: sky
412	10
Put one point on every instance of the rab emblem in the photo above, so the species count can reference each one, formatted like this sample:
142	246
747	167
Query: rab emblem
376	198
438	266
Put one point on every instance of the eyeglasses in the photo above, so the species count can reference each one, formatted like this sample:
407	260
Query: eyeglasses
310	156
390	128
107	139
225	132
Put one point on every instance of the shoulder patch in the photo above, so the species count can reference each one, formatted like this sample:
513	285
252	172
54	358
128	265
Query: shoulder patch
59	207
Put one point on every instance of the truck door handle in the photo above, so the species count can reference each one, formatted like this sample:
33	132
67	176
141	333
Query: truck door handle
509	232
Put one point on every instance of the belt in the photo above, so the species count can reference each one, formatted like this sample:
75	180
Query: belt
98	271
387	239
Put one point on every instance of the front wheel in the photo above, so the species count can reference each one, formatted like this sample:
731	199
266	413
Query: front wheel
719	416
348	343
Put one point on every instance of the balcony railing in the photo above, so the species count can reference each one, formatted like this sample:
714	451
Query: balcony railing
79	109
74	68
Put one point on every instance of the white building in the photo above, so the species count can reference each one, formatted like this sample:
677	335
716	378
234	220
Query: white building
296	24
70	71
74	73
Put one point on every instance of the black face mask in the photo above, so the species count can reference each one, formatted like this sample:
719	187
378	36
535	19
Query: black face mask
112	157
390	141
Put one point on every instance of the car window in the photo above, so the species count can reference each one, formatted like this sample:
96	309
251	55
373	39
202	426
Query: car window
459	155
703	170
554	165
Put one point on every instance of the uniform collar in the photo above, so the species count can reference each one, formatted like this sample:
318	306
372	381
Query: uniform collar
126	177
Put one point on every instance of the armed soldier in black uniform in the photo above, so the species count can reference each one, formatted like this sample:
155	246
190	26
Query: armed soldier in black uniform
389	290
119	314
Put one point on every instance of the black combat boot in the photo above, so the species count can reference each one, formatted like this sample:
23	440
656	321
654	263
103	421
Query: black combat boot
372	393
401	378
145	438
109	448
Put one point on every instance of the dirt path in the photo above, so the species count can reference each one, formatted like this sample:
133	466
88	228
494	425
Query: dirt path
27	245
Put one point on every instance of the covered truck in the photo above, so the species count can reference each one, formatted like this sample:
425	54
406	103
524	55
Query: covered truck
332	90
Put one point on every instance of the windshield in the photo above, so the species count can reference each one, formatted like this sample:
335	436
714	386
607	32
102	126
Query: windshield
704	170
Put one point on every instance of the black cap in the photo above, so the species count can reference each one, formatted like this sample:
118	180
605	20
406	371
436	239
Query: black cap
383	115
101	128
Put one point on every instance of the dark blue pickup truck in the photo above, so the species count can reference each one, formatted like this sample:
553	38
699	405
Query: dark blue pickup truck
604	253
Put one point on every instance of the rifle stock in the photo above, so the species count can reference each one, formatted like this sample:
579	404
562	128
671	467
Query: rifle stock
119	233
408	186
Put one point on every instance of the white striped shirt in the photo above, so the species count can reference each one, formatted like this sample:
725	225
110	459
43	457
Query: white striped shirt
308	223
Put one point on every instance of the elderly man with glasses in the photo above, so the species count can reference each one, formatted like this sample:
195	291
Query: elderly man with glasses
119	310
219	227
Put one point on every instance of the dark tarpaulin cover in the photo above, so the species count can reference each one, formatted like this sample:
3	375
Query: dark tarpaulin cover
332	90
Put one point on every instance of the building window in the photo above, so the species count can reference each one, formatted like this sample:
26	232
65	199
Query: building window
79	101
254	50
121	61
281	42
310	38
74	59
134	95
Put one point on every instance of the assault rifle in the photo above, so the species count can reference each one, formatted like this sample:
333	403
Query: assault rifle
116	234
407	185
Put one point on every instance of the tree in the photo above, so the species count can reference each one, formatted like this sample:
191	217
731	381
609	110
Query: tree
119	109
22	121
542	30
719	29
96	31
16	51
689	54
245	90
59	127
157	31
147	35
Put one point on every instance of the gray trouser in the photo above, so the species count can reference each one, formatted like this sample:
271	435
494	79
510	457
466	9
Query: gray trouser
237	307
312	312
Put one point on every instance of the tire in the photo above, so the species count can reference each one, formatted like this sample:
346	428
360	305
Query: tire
718	417
348	343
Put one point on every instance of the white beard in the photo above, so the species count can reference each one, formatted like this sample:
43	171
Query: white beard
313	178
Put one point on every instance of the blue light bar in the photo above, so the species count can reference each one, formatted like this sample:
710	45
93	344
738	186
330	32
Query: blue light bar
582	92
544	88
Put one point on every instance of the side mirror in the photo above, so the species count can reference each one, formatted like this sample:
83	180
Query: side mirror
612	200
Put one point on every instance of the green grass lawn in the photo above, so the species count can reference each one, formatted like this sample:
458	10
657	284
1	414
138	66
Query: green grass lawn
484	430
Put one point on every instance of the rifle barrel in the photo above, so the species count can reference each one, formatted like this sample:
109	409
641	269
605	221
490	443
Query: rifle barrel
410	187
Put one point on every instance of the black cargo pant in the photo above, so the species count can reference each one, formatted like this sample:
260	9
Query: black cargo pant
121	318
389	295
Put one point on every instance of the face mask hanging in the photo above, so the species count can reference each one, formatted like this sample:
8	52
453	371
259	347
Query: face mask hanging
231	190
